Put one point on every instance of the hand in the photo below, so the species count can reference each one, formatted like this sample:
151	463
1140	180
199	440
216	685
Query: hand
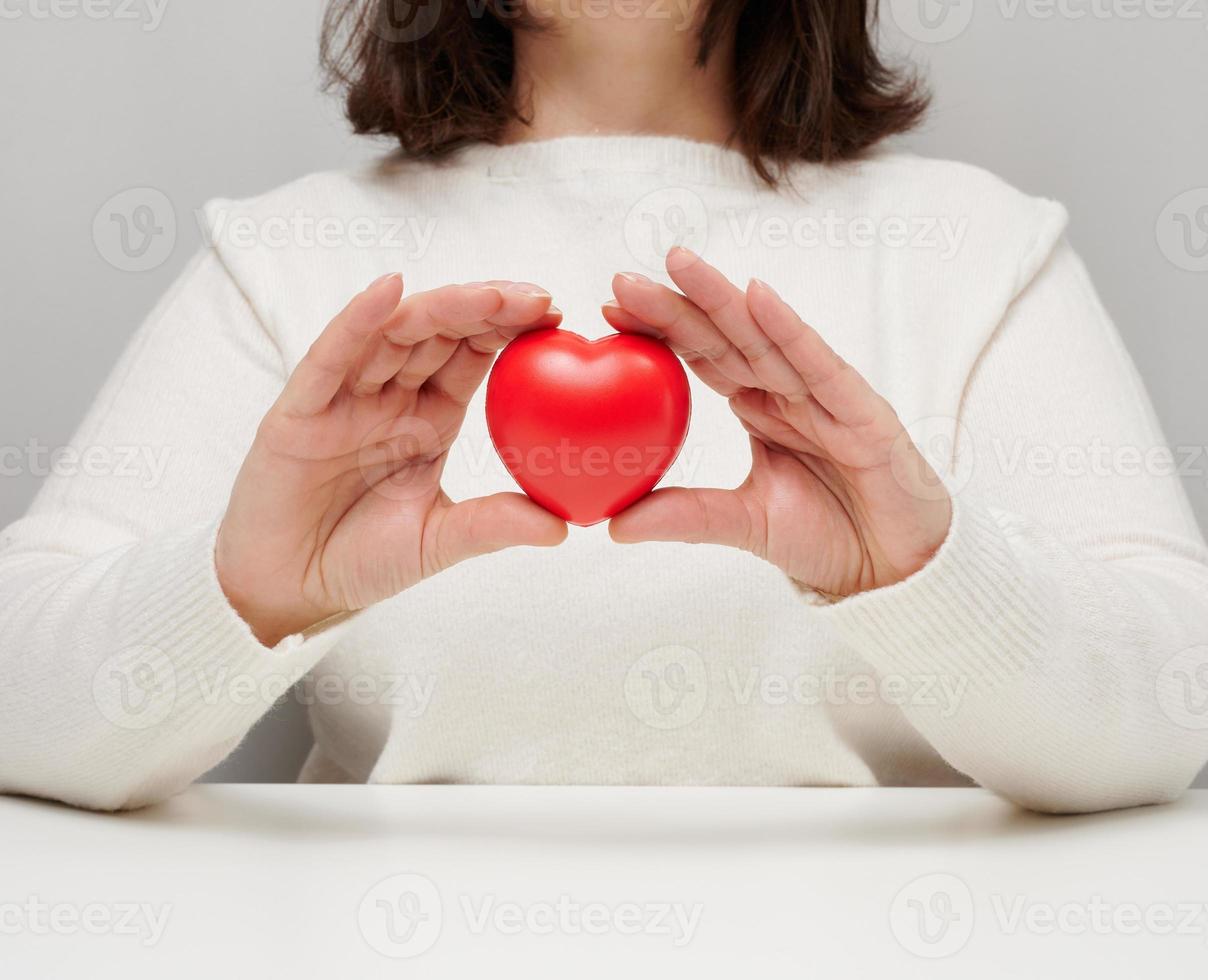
838	496
338	504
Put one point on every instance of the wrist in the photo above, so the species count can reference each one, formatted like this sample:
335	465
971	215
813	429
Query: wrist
271	618
882	567
936	527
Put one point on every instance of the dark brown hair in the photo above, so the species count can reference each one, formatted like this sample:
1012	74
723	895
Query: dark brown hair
808	82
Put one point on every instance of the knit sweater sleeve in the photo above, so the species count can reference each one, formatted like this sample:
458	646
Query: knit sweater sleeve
1070	600
125	672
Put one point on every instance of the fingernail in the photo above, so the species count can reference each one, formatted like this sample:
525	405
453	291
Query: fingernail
527	289
381	279
611	301
553	309
634	277
680	258
762	285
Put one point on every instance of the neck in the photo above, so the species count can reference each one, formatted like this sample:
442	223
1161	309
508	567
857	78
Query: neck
616	75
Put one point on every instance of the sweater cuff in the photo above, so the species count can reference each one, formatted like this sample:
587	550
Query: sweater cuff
978	611
211	675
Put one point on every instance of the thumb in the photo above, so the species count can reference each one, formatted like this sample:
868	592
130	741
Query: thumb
692	516
486	524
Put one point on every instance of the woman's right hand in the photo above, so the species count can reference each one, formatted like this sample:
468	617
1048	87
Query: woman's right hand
339	504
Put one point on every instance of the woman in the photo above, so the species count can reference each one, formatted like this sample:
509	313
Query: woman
845	617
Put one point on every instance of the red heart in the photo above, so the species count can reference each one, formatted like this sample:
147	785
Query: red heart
587	427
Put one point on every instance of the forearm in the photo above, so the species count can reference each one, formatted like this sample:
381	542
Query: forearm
1065	665
128	675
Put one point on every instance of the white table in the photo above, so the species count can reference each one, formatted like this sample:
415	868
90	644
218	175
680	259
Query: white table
442	881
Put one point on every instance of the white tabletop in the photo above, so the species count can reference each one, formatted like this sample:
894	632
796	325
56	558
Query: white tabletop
443	881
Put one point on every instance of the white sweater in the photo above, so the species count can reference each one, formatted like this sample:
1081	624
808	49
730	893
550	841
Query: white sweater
1049	651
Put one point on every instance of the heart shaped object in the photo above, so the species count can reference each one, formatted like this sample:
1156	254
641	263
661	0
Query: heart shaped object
587	427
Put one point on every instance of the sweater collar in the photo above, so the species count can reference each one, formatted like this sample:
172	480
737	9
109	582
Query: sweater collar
575	155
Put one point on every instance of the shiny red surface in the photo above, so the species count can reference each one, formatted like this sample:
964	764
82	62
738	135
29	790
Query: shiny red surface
587	428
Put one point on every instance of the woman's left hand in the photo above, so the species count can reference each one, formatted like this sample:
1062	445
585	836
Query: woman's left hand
839	497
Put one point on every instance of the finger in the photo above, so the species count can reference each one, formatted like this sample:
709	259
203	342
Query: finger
516	318
487	524
427	357
407	443
460	376
491	313
623	321
684	327
446	394
839	388
419	318
762	418
726	305
526	306
322	372
693	516
463	311
430	425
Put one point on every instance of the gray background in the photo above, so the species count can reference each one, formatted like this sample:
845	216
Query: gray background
1102	111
